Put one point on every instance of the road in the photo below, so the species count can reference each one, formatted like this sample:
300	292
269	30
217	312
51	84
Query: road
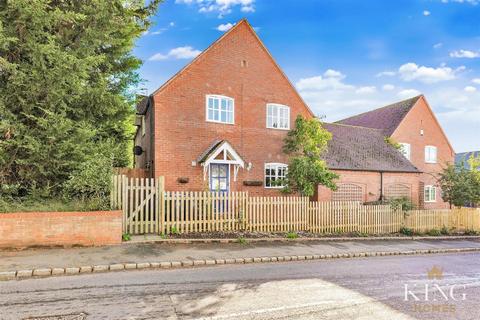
367	288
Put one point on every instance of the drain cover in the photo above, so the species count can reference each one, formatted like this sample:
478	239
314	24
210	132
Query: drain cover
76	316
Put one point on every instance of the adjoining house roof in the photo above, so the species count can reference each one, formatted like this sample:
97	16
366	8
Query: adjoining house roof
142	105
363	149
387	118
462	158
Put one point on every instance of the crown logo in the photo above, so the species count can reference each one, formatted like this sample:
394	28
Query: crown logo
435	273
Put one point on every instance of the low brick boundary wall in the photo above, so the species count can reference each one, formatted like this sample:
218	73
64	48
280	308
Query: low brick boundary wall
27	229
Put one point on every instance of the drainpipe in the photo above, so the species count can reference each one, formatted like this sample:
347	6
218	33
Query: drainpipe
381	186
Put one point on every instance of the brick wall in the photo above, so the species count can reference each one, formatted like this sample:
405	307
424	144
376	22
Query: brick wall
238	66
409	131
27	229
370	184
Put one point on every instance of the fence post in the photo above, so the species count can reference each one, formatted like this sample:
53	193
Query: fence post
160	214
124	202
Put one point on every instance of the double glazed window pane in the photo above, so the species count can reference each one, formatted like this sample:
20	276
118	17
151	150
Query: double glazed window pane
278	116
220	109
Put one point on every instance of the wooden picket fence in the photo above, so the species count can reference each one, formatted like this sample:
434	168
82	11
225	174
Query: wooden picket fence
459	219
148	208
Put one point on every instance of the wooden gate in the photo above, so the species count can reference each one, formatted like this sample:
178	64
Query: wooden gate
140	200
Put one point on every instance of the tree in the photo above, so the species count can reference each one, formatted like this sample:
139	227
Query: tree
66	74
305	145
459	185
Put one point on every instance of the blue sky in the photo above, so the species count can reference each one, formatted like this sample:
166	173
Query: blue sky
344	56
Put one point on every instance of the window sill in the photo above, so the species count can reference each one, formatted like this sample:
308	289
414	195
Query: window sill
283	129
281	187
434	201
220	122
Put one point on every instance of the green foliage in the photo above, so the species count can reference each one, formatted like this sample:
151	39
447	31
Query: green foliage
407	231
444	231
434	232
126	237
459	185
242	240
92	179
174	230
360	234
66	75
291	235
469	232
35	203
404	204
393	143
305	145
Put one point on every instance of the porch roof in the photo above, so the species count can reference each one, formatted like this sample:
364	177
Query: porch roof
215	148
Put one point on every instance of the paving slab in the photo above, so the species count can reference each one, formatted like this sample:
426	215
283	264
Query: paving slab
131	254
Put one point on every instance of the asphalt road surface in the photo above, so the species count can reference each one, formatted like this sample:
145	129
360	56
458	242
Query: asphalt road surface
391	287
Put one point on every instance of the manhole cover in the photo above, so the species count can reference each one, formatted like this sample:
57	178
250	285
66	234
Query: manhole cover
76	316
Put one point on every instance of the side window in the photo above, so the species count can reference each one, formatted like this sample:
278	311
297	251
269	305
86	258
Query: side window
220	109
278	116
406	150
430	194
430	154
275	173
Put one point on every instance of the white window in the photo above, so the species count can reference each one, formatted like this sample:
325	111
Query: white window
278	116
406	150
275	173
430	154
220	109
430	194
143	126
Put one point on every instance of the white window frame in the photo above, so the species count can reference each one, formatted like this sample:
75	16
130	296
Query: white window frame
428	154
275	166
278	108
406	150
219	97
144	129
428	193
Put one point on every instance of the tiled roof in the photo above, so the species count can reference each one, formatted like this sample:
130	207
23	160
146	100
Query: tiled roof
363	149
386	118
142	105
211	149
464	156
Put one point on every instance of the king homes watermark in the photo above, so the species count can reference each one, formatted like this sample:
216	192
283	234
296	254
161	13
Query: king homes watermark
433	296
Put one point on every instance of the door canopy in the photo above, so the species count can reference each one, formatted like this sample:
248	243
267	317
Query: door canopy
221	152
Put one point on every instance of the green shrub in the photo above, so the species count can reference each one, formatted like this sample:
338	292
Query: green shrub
469	232
242	240
407	231
404	204
126	237
291	235
444	231
360	234
434	232
91	182
174	230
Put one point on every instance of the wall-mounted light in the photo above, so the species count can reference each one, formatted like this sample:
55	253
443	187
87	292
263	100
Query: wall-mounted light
249	166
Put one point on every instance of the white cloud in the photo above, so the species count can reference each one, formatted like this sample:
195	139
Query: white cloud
186	52
366	90
476	80
388	87
470	89
386	74
465	54
222	7
472	2
426	12
437	45
411	71
172	24
225	27
408	93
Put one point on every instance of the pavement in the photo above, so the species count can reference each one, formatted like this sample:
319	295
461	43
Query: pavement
360	288
157	252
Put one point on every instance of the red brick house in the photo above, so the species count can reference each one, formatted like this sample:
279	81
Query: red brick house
219	124
413	124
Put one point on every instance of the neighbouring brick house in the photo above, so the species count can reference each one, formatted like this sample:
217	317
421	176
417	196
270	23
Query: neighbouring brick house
369	168
413	124
219	124
463	157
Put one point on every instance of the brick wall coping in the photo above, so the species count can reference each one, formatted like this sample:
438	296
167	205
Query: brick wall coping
53	214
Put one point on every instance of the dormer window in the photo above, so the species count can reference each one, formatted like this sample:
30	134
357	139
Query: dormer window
220	109
278	116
